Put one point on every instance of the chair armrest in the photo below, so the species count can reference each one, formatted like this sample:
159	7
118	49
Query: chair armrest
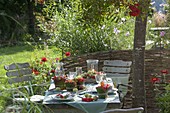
120	93
125	85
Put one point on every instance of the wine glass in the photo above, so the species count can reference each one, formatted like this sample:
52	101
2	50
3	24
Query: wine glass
99	78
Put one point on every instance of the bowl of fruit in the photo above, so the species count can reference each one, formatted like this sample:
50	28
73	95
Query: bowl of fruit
89	98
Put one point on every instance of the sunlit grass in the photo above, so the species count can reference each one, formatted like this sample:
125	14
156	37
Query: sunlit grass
20	54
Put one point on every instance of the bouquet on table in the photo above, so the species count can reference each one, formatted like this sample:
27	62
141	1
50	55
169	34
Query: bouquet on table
102	90
90	76
80	82
70	84
59	81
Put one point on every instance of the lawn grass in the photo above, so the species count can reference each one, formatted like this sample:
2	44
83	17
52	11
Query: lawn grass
25	53
21	54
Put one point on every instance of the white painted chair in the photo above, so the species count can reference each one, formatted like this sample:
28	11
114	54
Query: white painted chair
20	73
119	71
130	110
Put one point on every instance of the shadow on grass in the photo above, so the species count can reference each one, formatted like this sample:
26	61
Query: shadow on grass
15	49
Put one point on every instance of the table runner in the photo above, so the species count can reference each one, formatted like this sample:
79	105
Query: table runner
88	107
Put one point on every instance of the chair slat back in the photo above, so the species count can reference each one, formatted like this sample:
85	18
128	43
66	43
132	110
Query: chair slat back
117	63
18	72
15	66
118	70
20	79
131	110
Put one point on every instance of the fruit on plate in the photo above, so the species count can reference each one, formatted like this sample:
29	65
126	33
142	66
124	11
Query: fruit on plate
89	98
62	96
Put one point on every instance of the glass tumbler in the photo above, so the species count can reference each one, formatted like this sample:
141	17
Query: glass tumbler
92	64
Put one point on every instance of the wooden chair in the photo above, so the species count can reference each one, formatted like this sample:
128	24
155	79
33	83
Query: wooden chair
22	73
119	71
131	110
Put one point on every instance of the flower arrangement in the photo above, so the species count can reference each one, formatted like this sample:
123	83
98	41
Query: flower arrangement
80	81
59	81
90	74
102	90
70	84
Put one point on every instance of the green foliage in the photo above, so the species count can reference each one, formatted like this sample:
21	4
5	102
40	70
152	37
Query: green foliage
164	101
69	31
12	21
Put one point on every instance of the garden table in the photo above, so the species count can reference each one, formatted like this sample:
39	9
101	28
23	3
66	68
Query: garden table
77	105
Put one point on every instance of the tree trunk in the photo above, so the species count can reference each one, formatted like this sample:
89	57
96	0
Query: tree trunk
139	97
31	21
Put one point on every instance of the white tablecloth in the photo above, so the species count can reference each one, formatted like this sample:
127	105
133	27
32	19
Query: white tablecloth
88	107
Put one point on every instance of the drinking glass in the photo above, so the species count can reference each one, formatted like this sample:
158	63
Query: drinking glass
99	78
92	64
79	70
59	71
72	75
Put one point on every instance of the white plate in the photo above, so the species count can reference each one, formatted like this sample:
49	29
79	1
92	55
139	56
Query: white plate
37	98
70	98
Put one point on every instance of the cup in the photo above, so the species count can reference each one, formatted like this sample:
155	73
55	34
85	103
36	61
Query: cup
72	75
59	71
92	64
79	70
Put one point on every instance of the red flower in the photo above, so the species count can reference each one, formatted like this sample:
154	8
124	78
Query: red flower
133	7
79	80
67	54
43	59
165	71
134	10
41	62
153	80
52	71
59	78
36	72
41	1
103	87
93	77
54	78
57	59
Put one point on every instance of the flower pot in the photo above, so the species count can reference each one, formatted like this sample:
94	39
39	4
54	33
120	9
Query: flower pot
102	91
70	85
60	84
69	88
102	95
